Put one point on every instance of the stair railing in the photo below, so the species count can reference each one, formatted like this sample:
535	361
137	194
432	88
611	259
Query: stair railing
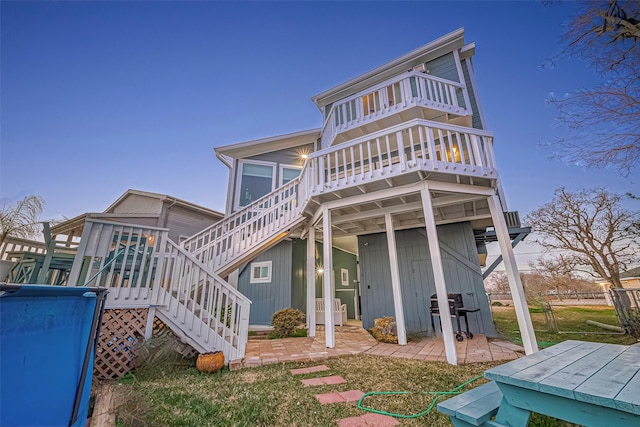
248	228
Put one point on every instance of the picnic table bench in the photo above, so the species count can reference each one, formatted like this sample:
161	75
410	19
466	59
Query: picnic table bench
591	384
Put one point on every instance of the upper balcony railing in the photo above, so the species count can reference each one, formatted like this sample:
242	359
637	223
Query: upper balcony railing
396	94
416	145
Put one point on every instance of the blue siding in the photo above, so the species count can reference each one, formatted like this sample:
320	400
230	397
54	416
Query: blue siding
267	298
477	123
461	269
444	67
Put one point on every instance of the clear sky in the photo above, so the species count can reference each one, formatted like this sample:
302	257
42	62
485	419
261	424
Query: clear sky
99	97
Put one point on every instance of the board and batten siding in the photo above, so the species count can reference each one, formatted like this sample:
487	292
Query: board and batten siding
461	268
267	298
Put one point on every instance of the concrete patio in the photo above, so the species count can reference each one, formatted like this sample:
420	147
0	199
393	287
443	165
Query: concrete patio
352	339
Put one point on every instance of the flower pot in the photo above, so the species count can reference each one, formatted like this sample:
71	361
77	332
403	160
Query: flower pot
210	362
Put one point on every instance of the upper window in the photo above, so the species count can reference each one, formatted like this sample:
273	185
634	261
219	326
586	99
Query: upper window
260	272
256	180
288	173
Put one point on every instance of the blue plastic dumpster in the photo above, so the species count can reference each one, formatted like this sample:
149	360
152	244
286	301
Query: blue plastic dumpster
48	336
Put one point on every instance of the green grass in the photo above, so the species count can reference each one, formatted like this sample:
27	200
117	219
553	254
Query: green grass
271	396
571	322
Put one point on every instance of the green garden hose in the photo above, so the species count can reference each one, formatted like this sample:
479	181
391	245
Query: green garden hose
419	414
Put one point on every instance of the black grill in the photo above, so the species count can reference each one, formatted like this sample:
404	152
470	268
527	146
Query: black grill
456	309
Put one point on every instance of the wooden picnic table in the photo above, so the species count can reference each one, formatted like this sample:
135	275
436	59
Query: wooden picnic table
591	384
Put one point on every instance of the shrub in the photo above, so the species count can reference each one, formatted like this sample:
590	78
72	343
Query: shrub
384	330
286	321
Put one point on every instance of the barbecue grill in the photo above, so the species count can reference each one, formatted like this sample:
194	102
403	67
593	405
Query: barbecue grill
457	310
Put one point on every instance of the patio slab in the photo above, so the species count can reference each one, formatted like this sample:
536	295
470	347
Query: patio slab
353	339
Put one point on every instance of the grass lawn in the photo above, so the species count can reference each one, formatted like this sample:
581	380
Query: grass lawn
571	323
271	396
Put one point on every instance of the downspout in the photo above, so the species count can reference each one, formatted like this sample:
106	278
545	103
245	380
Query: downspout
228	163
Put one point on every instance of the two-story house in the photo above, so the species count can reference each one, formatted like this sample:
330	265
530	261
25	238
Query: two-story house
383	206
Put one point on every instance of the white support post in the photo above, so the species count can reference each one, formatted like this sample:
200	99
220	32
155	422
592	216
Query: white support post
148	330
511	267
327	261
395	281
311	281
438	275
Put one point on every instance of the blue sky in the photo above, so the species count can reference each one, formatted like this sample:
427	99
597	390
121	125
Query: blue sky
99	97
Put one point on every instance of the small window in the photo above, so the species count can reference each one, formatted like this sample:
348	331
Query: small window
261	272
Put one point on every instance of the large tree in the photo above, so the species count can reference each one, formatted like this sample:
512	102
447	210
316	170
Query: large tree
21	219
590	229
603	121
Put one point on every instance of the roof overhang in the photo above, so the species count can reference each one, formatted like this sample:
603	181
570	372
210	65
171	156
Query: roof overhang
267	145
432	50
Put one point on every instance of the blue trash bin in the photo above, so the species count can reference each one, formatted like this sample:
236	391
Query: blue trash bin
48	337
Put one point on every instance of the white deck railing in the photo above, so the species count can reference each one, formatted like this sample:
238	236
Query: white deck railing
246	230
15	244
415	145
396	94
142	268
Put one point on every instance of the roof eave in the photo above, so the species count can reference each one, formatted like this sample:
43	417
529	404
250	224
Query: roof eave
268	145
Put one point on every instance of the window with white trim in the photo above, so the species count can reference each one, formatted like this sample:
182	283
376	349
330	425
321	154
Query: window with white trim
260	272
289	173
256	179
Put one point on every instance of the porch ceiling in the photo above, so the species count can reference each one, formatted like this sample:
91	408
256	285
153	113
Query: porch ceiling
367	217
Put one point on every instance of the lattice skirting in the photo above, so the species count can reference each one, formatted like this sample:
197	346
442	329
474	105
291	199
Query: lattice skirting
121	333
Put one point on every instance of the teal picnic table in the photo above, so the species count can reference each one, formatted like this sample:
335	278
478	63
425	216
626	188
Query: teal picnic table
591	384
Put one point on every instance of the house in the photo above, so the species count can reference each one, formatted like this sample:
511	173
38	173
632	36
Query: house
182	218
385	205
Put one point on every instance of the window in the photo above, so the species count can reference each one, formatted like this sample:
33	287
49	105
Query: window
288	173
256	180
261	272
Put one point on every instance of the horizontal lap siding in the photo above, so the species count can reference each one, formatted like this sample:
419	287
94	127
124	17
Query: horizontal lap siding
416	277
290	156
183	222
267	298
444	67
477	123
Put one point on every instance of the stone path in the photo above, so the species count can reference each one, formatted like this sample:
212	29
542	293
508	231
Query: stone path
368	419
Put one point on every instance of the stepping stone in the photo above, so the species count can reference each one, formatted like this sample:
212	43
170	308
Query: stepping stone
344	396
310	370
334	379
368	420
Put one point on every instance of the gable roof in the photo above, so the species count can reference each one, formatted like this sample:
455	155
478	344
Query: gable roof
432	50
75	225
268	145
163	197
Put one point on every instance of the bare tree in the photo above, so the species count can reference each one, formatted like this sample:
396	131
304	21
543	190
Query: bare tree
603	121
21	219
590	228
